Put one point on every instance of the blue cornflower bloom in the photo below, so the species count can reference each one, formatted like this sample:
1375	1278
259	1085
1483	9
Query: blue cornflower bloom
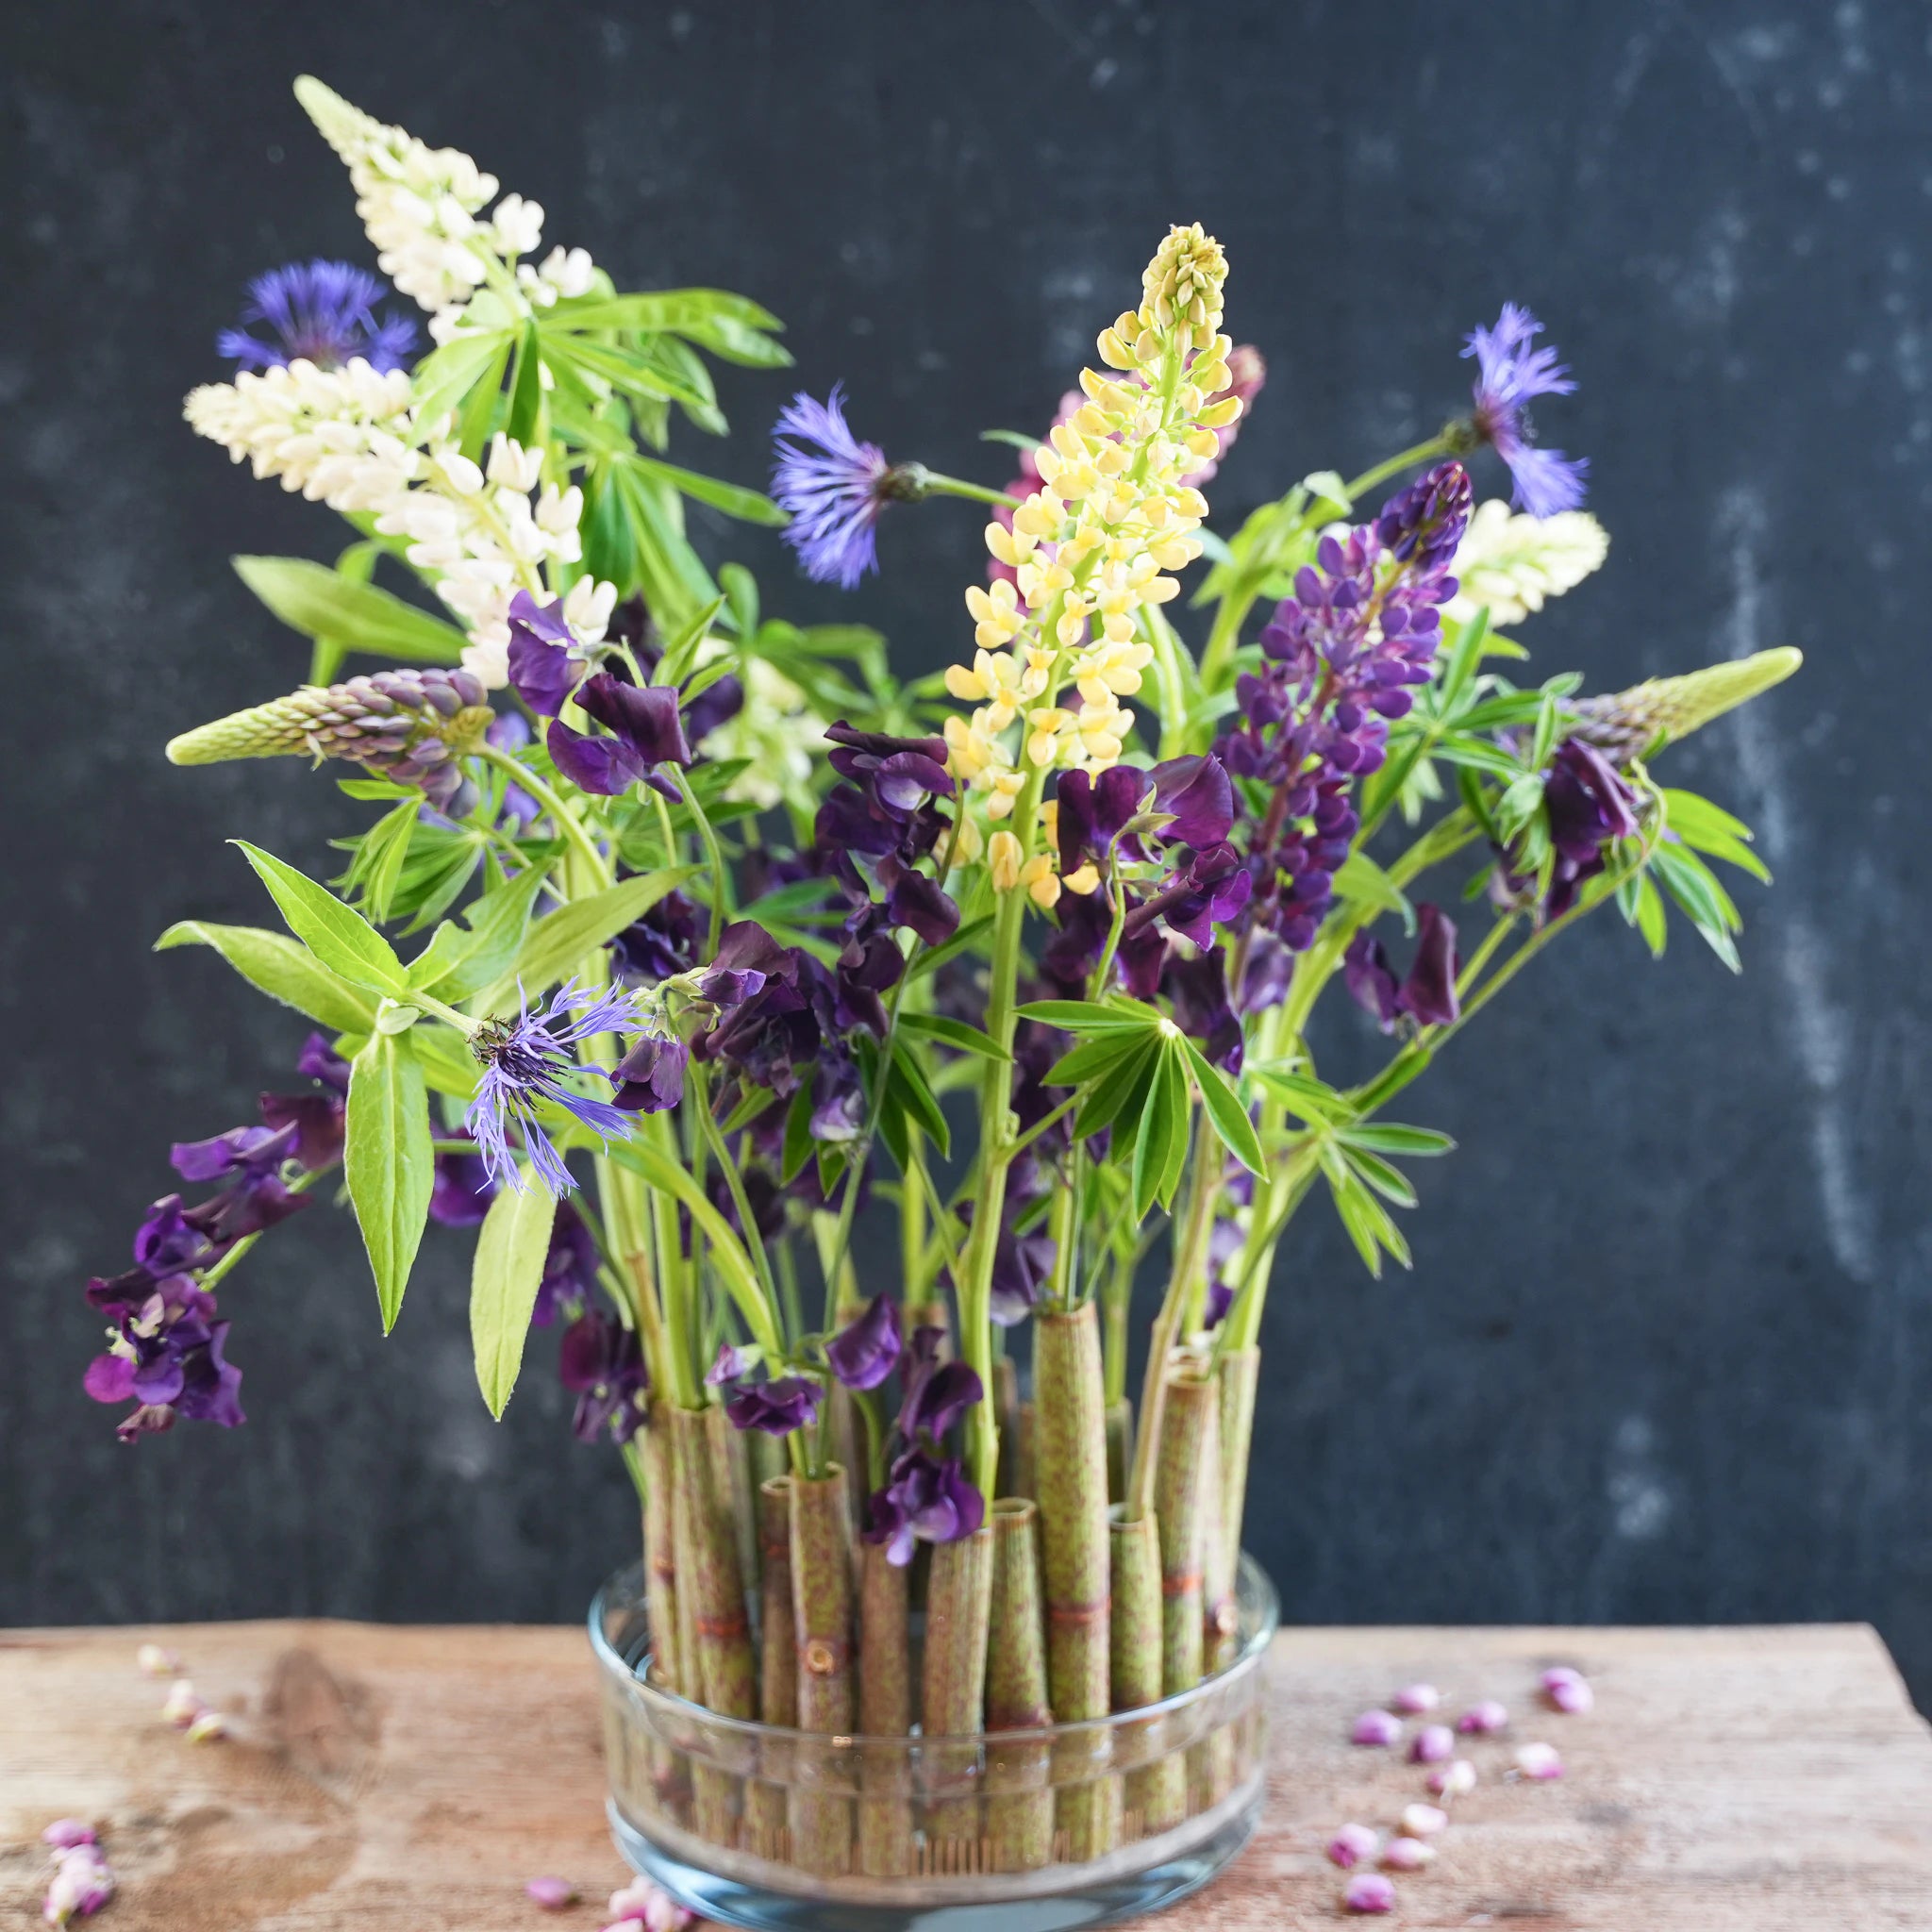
835	488
525	1062
322	312
1510	374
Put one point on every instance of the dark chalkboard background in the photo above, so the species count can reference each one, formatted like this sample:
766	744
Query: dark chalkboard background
1667	1350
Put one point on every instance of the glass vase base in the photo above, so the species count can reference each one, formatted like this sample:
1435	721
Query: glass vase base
736	1889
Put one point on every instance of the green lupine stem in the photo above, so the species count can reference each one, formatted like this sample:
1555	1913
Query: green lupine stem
828	1702
933	484
885	1711
1188	1420
1436	446
566	820
734	1181
714	859
301	1184
1020	1799
1188	1251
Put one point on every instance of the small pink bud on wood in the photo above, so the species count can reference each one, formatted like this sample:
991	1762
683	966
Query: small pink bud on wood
1379	1727
1481	1718
65	1833
1369	1891
1568	1690
208	1724
553	1894
1539	1761
1432	1744
1413	1699
1422	1821
1351	1845
1452	1780
182	1706
1407	1853
157	1662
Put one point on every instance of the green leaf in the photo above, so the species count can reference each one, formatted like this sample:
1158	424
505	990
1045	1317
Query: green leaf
681	647
1389	1182
1078	1016
1520	803
279	966
747	505
557	944
1695	887
1224	1110
1387	1136
1118	1093
321	603
443	378
1464	659
355	565
470	961
742	596
906	1088
511	1247
340	937
1704	827
380	854
1307	1099
389	1162
663	309
798	1140
1651	921
1093	1058
1363	882
755	1101
527	390
954	1033
1164	1123
929	958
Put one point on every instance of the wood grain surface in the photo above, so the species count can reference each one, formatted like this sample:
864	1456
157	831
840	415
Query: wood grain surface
407	1780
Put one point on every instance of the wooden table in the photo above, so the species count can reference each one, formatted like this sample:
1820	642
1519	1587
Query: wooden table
408	1780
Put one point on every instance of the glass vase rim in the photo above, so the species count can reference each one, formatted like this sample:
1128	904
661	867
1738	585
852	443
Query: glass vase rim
1254	1589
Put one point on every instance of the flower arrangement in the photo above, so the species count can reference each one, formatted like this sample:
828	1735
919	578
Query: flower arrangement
720	934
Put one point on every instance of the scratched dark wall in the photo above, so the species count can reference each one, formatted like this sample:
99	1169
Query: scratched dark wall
1667	1350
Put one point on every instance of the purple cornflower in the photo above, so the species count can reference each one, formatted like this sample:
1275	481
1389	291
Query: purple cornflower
322	312
861	1354
1508	373
834	487
525	1062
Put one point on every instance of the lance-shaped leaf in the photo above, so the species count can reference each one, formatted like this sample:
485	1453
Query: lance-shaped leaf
1225	1113
389	1162
1160	1142
279	966
512	1248
339	937
455	963
321	603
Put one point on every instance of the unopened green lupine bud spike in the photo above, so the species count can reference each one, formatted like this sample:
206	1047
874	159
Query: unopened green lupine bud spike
1630	724
410	725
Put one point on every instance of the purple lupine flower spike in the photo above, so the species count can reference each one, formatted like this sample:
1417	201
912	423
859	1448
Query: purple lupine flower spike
322	312
1509	375
524	1063
861	1354
834	487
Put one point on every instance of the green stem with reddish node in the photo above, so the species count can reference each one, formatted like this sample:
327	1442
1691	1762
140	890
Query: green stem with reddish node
1020	1800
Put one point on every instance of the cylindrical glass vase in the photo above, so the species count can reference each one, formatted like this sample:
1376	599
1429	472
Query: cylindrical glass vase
791	1831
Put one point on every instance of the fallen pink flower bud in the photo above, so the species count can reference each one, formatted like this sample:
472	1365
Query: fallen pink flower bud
655	1909
1407	1853
1413	1699
1377	1727
1480	1718
1351	1845
1568	1690
207	1727
182	1706
553	1894
65	1833
80	1885
1432	1744
1369	1891
157	1662
1452	1780
1422	1821
1539	1761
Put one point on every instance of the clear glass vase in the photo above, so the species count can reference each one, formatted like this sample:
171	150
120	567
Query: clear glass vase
1018	1831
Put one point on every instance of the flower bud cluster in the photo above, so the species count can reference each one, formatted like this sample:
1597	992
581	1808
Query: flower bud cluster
420	205
1097	543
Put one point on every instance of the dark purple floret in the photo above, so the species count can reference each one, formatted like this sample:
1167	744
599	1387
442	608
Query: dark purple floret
730	1364
168	1358
928	1499
660	945
1199	794
1591	805
1197	989
1094	812
316	1117
937	1394
322	312
918	903
546	659
250	1161
645	732
650	1077
570	1269
1021	1263
1510	374
834	487
602	1360
1426	994
462	1191
863	1353
775	1408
